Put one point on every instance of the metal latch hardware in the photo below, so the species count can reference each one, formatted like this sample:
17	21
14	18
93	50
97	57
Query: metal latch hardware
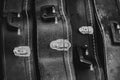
86	30
60	45
22	51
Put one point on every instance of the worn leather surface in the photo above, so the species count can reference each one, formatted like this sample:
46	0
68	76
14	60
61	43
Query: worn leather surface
79	14
53	64
15	67
46	63
108	13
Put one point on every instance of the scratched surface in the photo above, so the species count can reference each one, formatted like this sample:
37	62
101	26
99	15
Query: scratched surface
53	64
107	11
80	16
16	68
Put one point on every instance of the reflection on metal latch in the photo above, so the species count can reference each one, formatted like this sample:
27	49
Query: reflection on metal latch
22	51
60	45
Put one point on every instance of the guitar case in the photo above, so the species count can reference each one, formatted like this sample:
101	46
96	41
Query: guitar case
108	17
17	56
60	40
54	41
82	14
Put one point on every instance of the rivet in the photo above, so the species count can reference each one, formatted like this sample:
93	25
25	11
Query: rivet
18	15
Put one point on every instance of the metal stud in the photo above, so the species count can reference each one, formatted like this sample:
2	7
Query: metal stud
18	15
91	67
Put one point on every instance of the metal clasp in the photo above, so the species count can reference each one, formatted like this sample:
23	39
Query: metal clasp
22	51
60	45
86	30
